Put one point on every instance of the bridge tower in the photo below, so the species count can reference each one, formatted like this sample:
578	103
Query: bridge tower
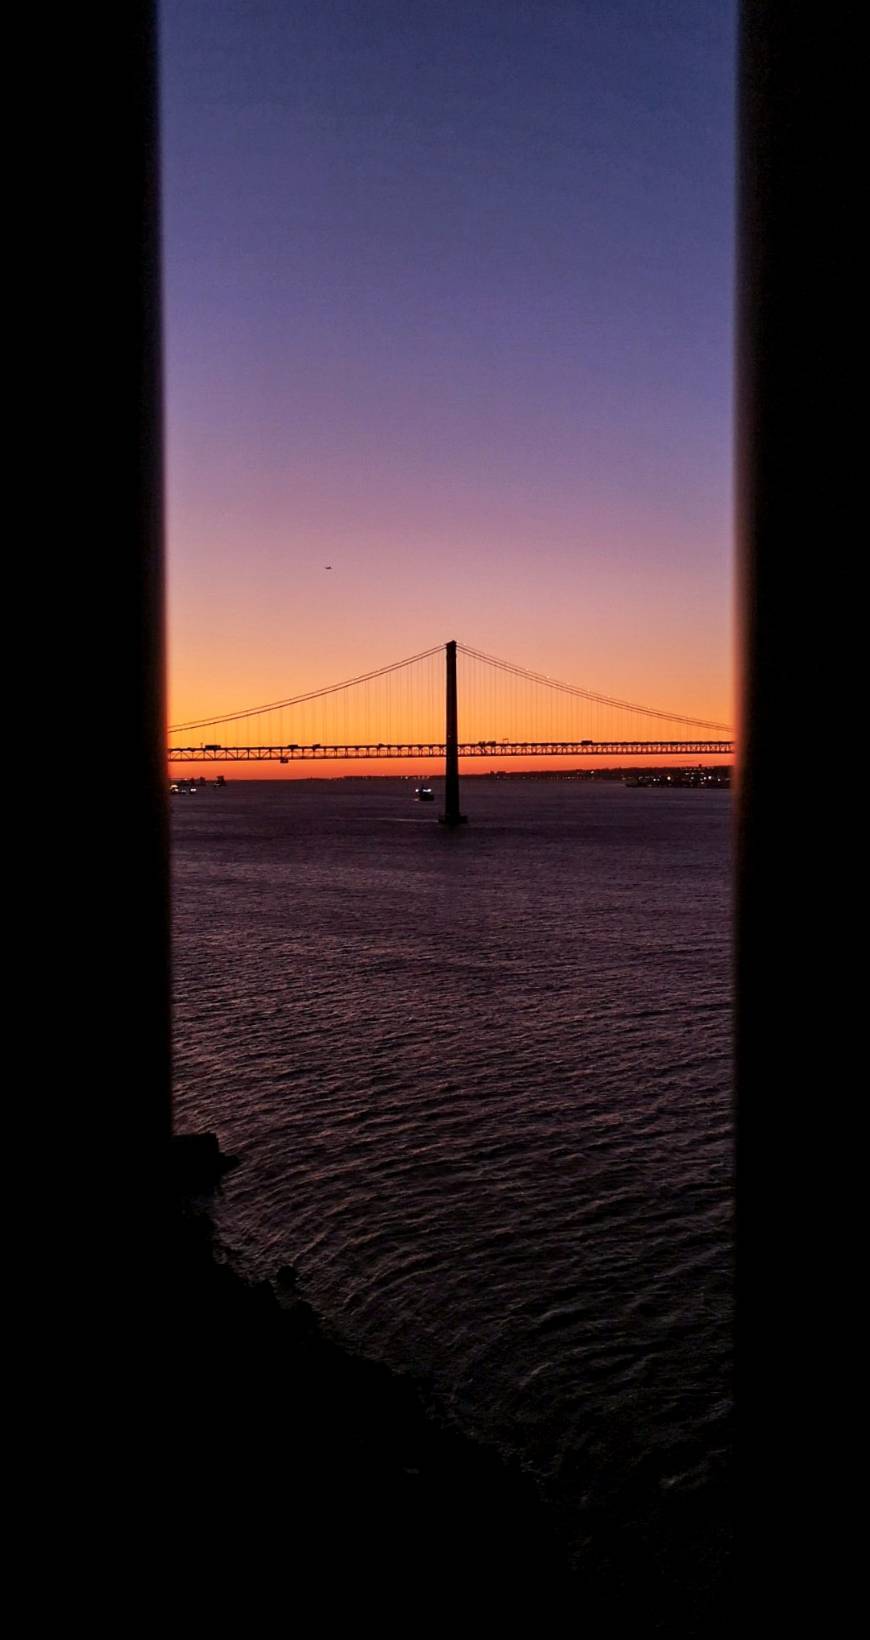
451	815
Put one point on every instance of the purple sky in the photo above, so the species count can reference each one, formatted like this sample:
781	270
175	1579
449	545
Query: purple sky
449	306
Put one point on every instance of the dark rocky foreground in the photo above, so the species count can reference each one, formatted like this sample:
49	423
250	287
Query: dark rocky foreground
300	1471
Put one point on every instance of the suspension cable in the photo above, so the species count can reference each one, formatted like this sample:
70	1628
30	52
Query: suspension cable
588	694
313	694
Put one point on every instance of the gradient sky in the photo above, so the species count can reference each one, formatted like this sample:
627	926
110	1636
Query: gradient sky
449	307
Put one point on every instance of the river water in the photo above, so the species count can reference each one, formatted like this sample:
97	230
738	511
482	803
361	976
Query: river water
480	1084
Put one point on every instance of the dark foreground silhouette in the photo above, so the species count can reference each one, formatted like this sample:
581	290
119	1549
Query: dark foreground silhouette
300	1471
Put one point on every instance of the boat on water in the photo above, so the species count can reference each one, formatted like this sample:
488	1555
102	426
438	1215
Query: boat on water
424	794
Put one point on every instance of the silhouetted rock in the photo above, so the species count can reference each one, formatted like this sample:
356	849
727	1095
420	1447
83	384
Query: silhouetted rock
197	1164
299	1454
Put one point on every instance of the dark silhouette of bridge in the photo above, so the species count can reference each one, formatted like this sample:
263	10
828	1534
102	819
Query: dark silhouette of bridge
567	720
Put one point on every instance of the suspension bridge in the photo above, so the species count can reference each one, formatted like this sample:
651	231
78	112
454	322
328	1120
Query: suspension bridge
410	710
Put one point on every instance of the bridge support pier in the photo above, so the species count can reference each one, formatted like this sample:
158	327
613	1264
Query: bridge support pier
451	815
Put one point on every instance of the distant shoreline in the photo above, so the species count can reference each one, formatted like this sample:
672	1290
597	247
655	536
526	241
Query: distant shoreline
645	773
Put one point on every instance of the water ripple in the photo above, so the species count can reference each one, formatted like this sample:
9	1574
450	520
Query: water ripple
480	1086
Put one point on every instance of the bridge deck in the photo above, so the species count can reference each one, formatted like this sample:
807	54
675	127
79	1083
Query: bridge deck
433	749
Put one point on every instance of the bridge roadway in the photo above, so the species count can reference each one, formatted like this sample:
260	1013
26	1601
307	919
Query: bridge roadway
436	749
